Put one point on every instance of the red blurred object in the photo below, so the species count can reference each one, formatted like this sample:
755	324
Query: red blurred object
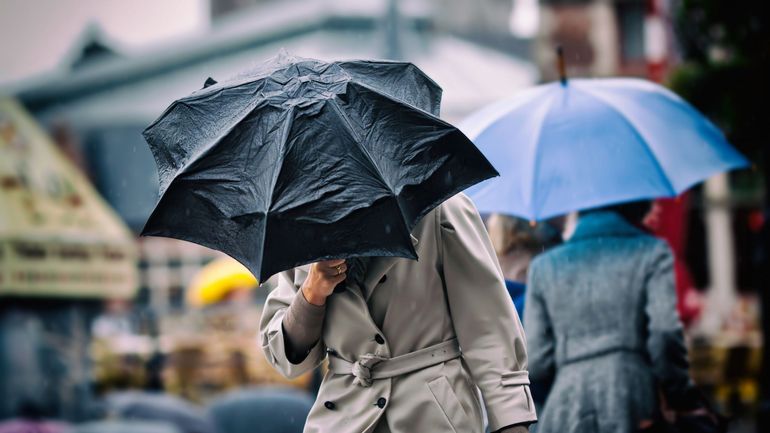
756	221
668	221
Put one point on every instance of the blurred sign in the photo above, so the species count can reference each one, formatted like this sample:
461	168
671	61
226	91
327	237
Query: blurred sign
57	235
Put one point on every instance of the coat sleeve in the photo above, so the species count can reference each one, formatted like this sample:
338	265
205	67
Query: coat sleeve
665	341
537	325
486	324
273	340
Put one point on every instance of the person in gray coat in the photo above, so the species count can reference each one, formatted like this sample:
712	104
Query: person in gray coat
601	321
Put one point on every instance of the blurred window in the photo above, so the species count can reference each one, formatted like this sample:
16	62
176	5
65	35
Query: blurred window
631	16
176	297
143	296
124	171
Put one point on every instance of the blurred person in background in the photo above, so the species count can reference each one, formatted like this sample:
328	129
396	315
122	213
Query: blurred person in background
601	321
665	221
33	417
517	242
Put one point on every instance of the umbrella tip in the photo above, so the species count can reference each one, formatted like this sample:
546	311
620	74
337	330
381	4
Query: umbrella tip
561	65
209	82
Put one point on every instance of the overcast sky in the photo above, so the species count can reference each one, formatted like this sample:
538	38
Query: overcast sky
36	34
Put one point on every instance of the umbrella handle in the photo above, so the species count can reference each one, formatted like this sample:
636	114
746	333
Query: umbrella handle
561	65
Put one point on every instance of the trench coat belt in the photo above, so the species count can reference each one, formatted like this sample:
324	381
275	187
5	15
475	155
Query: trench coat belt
373	367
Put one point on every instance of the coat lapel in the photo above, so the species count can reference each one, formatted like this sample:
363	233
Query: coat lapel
378	267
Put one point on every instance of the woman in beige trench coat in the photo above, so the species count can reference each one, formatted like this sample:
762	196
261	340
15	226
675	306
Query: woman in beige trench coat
410	345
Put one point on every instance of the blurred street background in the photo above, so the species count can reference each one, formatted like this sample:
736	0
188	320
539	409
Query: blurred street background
91	314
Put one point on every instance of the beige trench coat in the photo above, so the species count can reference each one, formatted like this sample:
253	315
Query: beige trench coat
454	290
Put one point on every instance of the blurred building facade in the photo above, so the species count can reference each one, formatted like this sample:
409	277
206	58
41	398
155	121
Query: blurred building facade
106	98
62	251
607	37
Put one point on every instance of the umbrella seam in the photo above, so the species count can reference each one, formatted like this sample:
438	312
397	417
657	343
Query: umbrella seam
535	171
433	117
644	141
491	114
397	101
357	139
410	65
349	127
199	154
288	123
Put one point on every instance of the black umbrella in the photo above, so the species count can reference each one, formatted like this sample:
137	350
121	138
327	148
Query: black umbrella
150	406
118	426
300	160
274	410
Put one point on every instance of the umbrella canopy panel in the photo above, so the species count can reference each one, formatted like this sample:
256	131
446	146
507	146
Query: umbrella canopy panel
57	236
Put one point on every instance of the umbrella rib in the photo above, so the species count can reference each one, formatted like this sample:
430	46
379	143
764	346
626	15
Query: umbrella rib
411	67
474	125
636	131
399	101
346	122
200	153
533	181
349	127
288	123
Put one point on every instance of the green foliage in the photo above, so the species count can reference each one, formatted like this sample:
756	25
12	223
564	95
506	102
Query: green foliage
726	71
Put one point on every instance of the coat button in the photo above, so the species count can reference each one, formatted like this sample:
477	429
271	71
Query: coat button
378	338
383	279
381	402
330	405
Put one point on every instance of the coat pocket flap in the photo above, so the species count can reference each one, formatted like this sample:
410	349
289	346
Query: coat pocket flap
514	378
449	403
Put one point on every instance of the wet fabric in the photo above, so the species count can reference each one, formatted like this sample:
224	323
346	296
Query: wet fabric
299	160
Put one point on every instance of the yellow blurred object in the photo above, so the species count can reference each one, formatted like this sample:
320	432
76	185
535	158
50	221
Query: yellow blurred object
215	281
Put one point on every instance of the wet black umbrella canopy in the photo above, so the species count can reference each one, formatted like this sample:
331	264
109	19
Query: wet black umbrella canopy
300	160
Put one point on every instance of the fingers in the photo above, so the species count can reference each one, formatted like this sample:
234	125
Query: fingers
338	268
332	262
338	278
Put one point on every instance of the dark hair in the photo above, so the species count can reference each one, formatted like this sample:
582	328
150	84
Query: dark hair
633	212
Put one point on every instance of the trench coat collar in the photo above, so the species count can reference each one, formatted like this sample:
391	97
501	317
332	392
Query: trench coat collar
603	224
378	267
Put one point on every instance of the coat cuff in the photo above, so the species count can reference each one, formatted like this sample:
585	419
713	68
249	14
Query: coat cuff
512	407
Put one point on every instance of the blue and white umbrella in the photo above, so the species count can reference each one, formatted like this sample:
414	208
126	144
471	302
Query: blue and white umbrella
585	143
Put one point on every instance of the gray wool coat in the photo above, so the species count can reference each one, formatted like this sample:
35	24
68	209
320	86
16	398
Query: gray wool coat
601	322
454	291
